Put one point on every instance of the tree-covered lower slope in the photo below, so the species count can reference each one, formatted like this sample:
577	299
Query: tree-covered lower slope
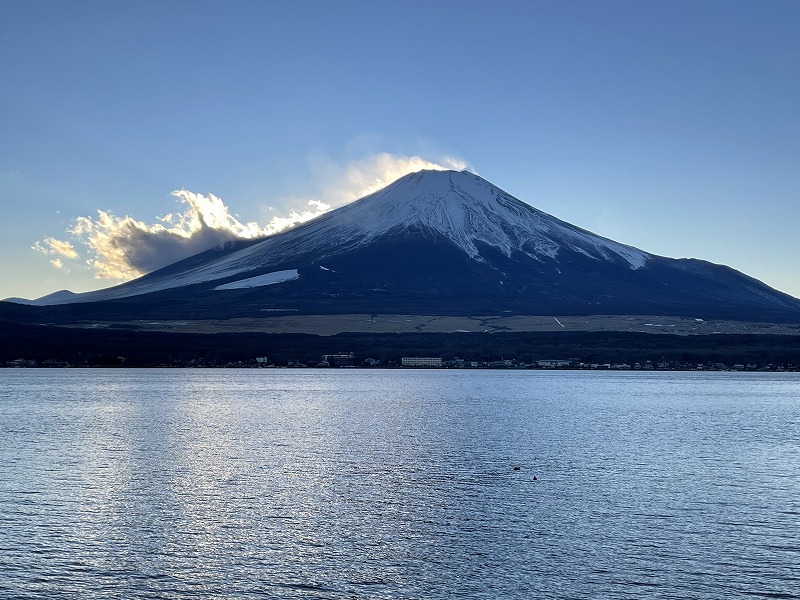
138	348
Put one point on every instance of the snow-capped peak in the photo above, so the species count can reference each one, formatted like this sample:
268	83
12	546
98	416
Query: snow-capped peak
464	208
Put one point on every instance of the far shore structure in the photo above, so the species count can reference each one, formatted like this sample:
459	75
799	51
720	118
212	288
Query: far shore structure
421	361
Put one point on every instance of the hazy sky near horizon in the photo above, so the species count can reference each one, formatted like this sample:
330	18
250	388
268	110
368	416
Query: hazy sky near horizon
672	126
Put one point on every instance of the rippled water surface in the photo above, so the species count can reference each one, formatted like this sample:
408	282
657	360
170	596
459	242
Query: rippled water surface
398	484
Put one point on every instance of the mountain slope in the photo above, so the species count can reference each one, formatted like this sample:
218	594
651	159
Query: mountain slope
442	242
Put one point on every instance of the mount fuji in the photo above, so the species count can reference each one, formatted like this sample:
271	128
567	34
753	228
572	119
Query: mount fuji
432	242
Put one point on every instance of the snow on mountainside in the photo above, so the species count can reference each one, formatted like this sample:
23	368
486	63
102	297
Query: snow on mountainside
460	206
466	209
261	280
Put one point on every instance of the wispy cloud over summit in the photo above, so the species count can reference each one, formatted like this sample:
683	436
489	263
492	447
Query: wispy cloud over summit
345	183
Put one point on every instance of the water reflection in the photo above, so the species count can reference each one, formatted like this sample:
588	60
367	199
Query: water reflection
391	484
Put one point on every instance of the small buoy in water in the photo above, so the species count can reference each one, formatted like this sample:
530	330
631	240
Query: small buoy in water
517	468
534	477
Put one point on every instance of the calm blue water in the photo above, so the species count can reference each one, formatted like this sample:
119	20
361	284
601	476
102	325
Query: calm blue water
398	484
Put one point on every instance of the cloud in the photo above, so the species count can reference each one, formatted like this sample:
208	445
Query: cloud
124	248
53	246
345	183
295	217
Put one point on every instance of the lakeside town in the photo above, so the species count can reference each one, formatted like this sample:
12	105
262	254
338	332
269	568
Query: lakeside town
350	360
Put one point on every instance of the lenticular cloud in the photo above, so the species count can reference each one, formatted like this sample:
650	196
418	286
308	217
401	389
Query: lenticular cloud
124	248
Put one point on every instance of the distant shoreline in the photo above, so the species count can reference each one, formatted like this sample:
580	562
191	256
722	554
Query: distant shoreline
792	369
114	346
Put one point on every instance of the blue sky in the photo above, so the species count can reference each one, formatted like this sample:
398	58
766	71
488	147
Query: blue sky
671	126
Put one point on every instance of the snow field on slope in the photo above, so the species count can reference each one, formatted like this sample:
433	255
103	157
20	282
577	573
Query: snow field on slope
261	280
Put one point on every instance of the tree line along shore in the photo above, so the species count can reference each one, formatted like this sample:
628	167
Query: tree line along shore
29	345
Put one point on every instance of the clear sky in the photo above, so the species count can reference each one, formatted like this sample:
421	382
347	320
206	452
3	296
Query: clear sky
671	126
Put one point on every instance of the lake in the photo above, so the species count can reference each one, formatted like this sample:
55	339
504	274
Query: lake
277	483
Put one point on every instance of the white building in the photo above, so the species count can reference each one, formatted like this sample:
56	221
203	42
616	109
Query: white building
420	361
552	364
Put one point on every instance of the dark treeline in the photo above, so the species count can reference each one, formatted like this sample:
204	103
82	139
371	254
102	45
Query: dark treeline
111	346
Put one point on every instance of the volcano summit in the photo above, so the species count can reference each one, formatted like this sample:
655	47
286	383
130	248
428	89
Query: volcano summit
436	243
